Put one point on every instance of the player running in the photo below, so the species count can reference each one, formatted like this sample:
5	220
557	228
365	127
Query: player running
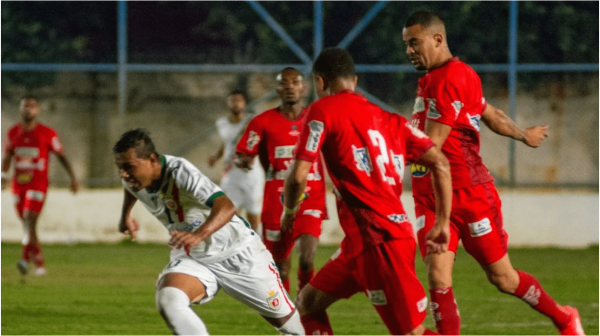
211	247
243	187
272	135
365	161
450	108
30	143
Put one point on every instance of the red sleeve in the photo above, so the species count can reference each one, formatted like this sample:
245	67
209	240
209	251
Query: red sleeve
55	144
417	143
251	139
313	133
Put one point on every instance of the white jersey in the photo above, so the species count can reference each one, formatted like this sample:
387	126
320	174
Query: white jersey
230	133
183	203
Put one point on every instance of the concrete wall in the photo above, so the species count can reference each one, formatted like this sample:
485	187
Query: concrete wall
532	218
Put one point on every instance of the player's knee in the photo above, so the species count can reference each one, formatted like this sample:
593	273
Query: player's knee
170	300
293	326
502	282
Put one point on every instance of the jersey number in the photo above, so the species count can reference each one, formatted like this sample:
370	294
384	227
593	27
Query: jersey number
384	158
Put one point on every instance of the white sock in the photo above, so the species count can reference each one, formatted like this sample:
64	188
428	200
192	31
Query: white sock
174	306
293	326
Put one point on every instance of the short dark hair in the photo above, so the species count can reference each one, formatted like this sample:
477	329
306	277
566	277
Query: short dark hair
139	139
29	96
424	18
334	62
238	92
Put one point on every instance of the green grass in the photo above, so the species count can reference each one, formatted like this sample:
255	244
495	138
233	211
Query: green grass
109	289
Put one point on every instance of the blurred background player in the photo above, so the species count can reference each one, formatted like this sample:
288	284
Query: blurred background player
377	255
272	135
30	143
243	187
211	247
449	108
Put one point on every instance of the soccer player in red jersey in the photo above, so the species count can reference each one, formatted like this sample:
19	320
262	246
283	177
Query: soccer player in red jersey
364	160
272	135
29	143
450	108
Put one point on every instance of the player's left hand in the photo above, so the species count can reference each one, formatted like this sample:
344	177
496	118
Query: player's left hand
535	135
181	239
287	222
437	239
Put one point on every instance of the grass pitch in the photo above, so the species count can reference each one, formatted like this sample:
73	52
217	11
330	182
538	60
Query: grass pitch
108	289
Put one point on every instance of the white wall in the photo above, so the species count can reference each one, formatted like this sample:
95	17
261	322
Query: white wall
544	218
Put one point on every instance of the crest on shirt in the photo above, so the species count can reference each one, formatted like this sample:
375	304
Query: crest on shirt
316	131
274	300
362	160
432	112
253	139
171	205
294	131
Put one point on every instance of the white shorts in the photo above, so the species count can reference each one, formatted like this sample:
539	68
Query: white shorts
245	189
249	276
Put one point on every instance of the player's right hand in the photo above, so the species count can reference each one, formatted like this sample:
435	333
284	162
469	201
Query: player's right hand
535	135
129	227
437	239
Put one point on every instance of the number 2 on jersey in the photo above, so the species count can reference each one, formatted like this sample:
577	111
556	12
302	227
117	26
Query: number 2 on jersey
383	159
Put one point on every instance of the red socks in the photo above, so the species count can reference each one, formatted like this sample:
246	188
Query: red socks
316	324
33	252
531	291
445	311
304	278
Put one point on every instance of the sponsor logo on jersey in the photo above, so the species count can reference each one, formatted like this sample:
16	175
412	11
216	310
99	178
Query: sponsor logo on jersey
422	305
432	112
419	105
312	212
316	131
189	227
398	218
284	152
377	297
56	146
24	178
253	139
171	204
420	223
274	300
415	130
362	160
27	152
458	105
418	170
475	121
532	296
480	228
35	195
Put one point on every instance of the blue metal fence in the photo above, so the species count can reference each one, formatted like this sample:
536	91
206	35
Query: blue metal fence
122	67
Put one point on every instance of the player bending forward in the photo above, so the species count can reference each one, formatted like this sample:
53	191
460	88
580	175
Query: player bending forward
211	247
365	160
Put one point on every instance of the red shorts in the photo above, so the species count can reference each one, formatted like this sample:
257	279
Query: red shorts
476	218
27	199
281	245
386	274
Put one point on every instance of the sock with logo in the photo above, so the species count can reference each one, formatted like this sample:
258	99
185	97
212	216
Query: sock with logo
445	311
304	278
286	285
531	291
317	324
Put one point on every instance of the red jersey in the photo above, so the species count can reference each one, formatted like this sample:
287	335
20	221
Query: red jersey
452	95
273	137
31	151
365	160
